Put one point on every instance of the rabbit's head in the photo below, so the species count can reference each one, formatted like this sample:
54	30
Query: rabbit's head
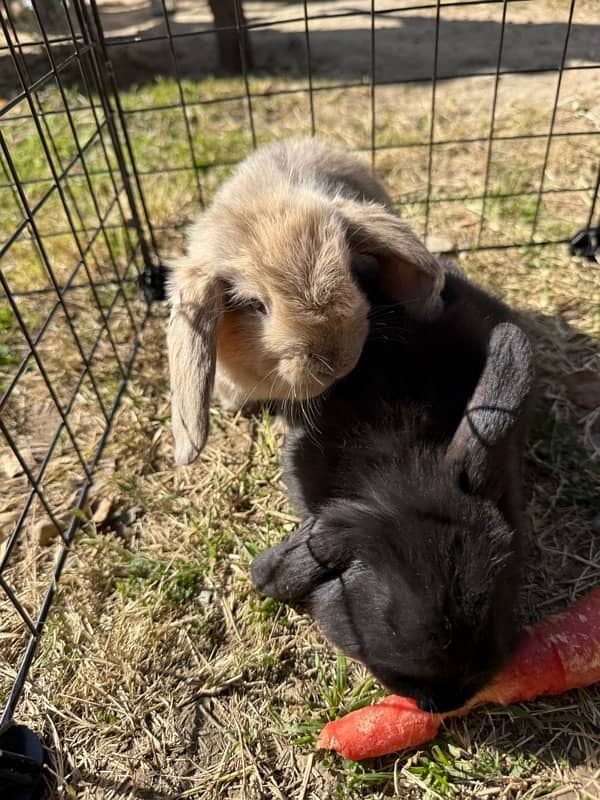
418	576
275	290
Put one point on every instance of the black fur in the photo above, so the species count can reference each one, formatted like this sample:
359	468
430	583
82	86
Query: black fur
408	477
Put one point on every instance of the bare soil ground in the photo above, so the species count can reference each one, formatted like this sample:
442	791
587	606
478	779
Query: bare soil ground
340	36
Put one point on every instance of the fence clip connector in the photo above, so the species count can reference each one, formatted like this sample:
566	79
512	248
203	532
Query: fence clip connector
586	244
152	282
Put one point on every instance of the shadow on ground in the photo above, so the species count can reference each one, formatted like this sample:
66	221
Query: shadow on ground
404	51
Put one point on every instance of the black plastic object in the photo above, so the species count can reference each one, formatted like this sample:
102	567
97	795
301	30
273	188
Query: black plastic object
21	763
586	243
153	283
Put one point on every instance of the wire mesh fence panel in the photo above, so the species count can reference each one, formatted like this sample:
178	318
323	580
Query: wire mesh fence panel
478	120
120	120
70	310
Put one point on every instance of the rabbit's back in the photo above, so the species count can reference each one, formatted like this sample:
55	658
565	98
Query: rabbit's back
409	479
408	392
310	165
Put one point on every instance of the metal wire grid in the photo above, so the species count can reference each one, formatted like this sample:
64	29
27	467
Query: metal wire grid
94	243
488	196
200	167
71	254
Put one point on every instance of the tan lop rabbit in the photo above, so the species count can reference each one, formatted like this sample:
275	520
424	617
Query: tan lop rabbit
269	290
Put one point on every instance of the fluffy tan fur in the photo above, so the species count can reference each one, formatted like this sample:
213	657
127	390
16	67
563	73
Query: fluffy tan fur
281	232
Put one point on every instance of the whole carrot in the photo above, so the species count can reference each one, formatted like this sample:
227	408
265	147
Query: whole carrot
557	654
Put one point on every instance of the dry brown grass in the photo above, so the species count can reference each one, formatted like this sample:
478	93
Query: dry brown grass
161	673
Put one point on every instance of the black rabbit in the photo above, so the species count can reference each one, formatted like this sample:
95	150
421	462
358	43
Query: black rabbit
408	475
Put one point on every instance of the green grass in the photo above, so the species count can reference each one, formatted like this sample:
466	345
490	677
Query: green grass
220	135
179	581
446	770
7	323
336	695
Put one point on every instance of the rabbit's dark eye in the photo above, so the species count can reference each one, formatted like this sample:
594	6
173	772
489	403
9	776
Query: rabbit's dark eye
255	305
233	301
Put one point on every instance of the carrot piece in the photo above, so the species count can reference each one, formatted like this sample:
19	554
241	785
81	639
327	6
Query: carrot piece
376	730
535	669
560	653
575	635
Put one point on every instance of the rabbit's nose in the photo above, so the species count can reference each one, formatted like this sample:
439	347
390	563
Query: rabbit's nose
439	705
299	369
333	363
446	701
307	371
428	704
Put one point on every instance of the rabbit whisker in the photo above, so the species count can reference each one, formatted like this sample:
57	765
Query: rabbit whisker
315	378
307	411
383	338
381	311
251	391
325	363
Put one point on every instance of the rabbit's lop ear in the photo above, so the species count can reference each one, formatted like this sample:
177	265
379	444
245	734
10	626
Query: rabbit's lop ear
409	272
291	571
323	569
196	305
480	443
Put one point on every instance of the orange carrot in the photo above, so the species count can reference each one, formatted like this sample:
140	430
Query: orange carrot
557	654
